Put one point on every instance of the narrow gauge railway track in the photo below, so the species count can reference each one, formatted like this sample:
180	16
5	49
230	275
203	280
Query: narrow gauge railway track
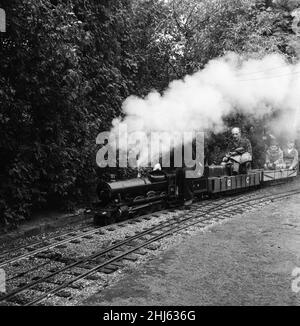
40	244
111	256
32	249
14	255
35	248
34	253
57	258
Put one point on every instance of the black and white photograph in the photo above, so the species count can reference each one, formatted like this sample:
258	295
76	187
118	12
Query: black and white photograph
149	156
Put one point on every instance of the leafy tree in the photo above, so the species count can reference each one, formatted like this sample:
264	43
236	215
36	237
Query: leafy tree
64	73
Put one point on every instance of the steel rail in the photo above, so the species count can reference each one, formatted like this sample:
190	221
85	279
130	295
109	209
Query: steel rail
39	242
59	243
148	231
111	248
174	229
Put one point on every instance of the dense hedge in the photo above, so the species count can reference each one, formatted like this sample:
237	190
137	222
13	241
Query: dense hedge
66	67
64	73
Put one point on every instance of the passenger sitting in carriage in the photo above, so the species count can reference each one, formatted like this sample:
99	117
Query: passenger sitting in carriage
290	156
274	157
239	151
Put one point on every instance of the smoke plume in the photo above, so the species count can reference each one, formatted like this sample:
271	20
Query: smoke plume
228	84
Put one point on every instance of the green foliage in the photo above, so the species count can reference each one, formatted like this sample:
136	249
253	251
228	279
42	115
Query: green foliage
65	69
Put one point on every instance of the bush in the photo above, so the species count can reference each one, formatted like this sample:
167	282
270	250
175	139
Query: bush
64	73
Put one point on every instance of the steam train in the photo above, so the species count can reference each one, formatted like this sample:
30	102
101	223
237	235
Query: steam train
120	200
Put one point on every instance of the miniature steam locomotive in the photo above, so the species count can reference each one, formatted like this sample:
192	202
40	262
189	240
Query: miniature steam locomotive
119	200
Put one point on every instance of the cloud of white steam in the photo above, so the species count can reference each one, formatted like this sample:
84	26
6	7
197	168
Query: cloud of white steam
227	84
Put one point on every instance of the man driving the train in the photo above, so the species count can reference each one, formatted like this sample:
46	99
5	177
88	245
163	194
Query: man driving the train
239	150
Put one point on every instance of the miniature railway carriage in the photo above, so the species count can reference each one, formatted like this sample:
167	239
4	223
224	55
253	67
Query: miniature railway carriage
234	183
279	175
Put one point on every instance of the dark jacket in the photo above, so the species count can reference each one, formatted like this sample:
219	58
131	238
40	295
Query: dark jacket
240	147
